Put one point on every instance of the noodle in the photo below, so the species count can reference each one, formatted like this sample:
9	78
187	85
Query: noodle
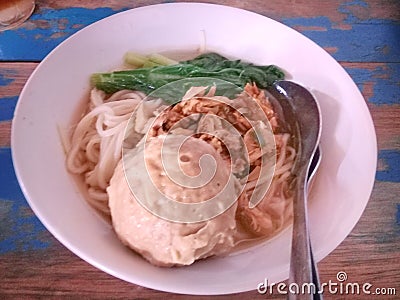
96	149
97	142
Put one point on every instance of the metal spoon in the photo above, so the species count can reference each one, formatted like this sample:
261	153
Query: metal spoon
315	162
302	115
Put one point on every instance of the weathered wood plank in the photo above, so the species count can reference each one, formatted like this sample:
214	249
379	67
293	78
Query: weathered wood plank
12	80
362	35
387	125
331	24
58	272
5	134
293	8
13	77
378	83
386	120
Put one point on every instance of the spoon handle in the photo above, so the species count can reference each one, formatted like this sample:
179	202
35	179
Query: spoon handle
317	295
301	263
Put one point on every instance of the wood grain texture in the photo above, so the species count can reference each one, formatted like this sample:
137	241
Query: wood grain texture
369	254
5	134
13	77
386	117
331	24
293	8
34	265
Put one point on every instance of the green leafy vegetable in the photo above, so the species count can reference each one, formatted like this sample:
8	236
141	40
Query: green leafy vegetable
210	65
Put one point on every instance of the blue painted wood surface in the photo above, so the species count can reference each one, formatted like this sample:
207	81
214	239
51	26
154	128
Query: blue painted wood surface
20	230
369	49
47	28
357	40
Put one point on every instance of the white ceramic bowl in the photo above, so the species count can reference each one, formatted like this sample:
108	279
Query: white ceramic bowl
54	93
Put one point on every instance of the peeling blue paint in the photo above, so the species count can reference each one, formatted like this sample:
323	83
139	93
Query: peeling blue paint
45	30
385	81
363	41
372	40
4	80
345	9
9	187
7	107
391	160
20	229
360	3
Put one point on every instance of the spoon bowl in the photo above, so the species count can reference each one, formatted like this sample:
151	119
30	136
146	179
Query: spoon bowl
301	111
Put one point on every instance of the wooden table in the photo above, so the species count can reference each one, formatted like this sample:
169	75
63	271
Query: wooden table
364	36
